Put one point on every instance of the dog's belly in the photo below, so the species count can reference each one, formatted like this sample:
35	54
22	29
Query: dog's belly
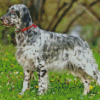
58	66
58	62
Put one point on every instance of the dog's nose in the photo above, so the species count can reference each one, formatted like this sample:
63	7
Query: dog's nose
2	18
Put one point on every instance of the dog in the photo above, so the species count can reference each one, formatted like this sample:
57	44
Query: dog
43	51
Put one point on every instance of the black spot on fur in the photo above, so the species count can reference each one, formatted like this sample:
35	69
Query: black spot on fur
70	45
40	86
96	78
45	47
80	68
28	71
26	18
28	85
51	35
72	67
86	82
35	33
58	39
19	52
29	31
38	69
19	37
94	73
68	66
24	9
44	72
28	40
18	14
12	8
66	55
30	35
23	45
41	66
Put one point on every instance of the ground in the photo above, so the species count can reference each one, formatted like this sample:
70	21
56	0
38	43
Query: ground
62	86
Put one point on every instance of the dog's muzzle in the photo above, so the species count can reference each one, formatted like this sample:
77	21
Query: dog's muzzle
6	21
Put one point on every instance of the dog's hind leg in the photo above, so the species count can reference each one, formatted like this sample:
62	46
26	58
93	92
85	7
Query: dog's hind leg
84	80
27	78
95	74
91	69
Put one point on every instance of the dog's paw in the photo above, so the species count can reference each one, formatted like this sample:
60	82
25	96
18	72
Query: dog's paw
21	93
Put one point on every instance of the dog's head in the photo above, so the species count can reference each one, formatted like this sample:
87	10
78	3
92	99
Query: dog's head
17	14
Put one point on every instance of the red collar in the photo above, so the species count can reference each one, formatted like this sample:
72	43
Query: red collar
33	25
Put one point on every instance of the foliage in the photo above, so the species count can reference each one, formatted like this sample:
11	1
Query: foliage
59	16
62	86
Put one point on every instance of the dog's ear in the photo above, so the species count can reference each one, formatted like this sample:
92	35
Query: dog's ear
18	14
26	16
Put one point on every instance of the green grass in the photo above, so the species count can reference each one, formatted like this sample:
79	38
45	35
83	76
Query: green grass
62	86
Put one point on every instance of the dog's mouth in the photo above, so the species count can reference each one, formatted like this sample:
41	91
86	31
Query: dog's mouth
7	23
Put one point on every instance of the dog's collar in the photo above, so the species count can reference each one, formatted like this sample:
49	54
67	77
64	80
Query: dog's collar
27	28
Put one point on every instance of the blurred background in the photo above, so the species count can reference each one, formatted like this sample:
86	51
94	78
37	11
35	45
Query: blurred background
80	18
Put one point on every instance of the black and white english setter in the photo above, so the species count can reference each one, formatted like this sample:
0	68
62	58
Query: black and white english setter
41	51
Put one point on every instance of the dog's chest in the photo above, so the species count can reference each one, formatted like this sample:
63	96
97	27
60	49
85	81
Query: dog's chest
26	56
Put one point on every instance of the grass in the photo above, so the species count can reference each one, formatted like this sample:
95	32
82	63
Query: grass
62	86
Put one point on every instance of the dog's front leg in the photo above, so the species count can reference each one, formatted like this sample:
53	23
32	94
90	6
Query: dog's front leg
27	78
42	79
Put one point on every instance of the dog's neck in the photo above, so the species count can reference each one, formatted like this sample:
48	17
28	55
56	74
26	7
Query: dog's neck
28	36
20	25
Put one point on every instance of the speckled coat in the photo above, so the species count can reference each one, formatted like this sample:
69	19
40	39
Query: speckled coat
41	51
